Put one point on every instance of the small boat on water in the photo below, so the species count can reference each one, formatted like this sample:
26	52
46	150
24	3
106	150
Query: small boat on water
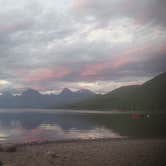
139	116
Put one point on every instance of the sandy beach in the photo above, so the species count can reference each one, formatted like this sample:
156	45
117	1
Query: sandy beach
124	152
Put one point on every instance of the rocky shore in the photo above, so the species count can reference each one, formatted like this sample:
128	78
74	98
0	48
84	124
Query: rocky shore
118	152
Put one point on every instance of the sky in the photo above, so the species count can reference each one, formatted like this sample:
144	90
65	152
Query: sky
100	45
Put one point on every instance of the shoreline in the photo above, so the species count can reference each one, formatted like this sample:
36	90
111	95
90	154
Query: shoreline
47	142
98	152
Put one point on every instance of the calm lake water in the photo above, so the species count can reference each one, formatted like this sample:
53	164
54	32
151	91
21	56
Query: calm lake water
33	125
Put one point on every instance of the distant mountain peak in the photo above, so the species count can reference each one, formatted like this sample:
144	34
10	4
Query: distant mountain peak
31	98
30	92
66	91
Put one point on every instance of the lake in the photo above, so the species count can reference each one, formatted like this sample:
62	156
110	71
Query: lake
38	125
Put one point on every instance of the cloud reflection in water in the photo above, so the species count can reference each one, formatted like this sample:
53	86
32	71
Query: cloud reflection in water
39	127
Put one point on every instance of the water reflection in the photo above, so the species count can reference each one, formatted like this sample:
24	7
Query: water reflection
37	126
42	125
44	133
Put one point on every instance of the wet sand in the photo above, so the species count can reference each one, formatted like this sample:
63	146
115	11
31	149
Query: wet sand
118	152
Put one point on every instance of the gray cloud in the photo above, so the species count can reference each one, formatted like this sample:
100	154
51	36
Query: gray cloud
80	41
104	11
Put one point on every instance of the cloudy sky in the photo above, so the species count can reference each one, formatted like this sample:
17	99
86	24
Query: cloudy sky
97	44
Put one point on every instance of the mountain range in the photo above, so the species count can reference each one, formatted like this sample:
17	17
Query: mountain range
149	96
33	99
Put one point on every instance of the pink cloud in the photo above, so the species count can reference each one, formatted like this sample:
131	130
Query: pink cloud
14	27
48	74
162	50
94	69
130	56
125	58
39	75
79	4
112	64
